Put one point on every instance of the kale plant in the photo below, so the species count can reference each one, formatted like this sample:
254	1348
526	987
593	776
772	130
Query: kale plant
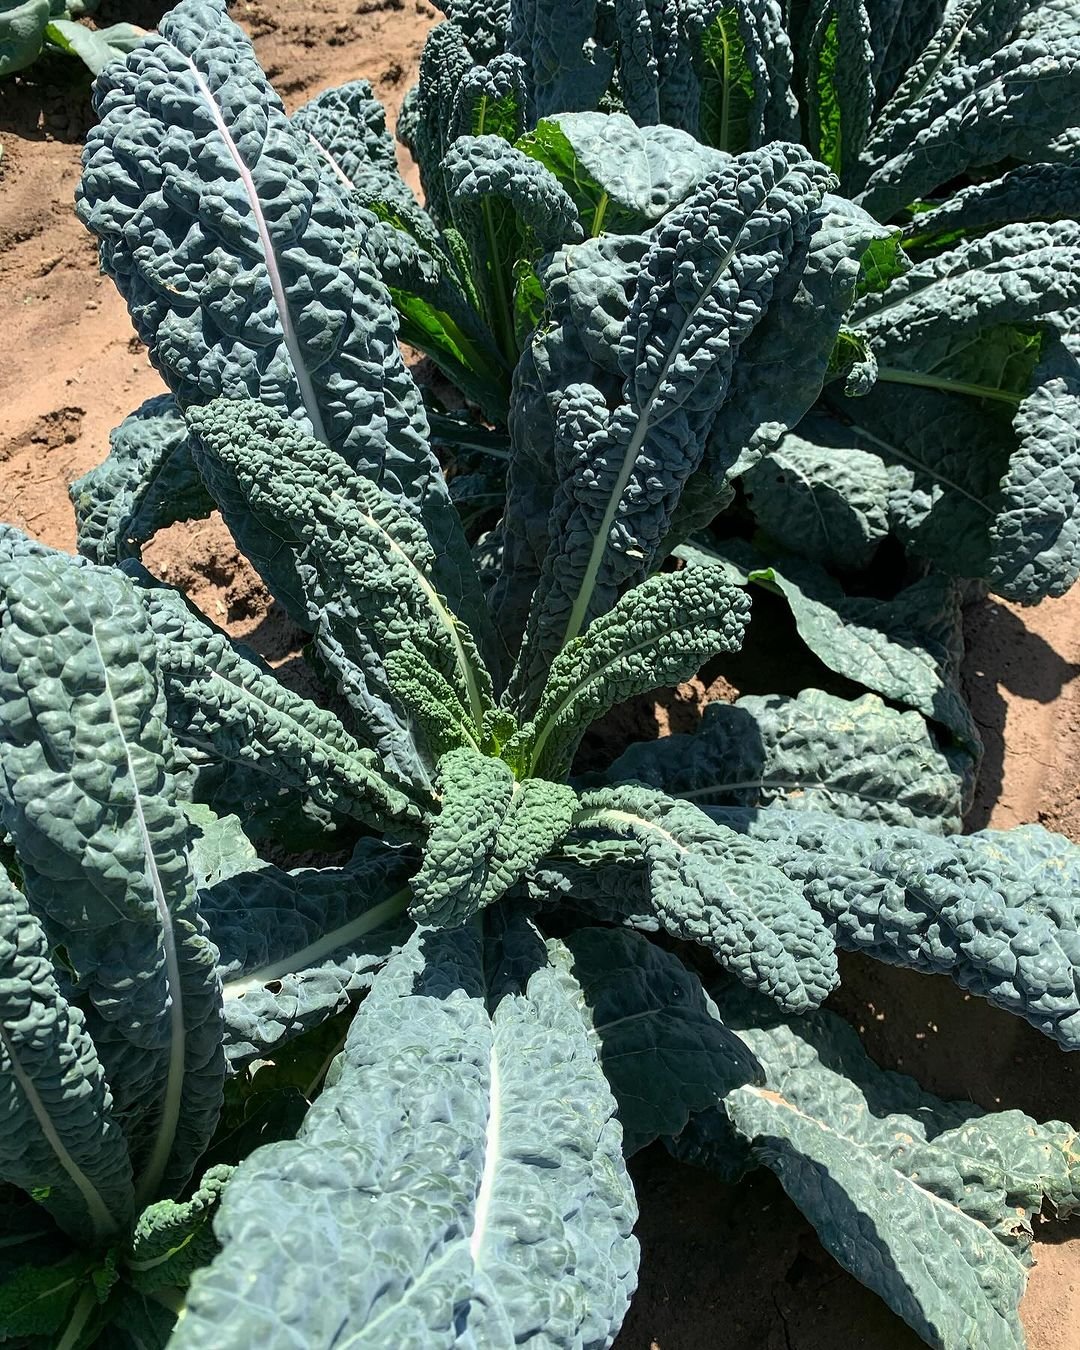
949	423
522	973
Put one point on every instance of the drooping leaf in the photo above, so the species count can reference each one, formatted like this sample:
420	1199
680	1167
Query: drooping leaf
907	649
971	116
995	911
298	947
1028	192
704	886
147	482
622	177
943	1193
828	503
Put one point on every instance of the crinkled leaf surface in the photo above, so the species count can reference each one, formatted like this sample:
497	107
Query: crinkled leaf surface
662	631
88	797
224	701
238	262
705	282
996	911
854	757
344	559
489	830
418	1202
704	885
297	947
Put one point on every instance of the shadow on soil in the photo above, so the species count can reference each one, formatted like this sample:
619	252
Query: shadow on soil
732	1267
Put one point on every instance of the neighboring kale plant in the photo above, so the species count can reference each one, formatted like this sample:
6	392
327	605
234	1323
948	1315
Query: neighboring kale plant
951	423
461	1177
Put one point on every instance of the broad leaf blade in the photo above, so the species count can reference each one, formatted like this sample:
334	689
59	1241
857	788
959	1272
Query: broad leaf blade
89	800
857	758
661	1043
426	1207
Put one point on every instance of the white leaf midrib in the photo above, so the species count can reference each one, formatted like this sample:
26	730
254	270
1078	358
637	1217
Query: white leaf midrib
273	272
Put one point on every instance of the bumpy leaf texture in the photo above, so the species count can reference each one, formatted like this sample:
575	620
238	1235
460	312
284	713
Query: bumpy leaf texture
996	911
989	488
238	262
704	283
854	757
704	885
659	633
662	1046
418	1201
87	795
346	127
489	831
345	560
224	701
297	947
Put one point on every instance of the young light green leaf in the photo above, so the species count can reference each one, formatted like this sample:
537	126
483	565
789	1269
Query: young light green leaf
659	633
173	1238
839	82
489	831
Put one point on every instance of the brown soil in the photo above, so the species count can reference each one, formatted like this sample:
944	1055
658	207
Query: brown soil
722	1266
